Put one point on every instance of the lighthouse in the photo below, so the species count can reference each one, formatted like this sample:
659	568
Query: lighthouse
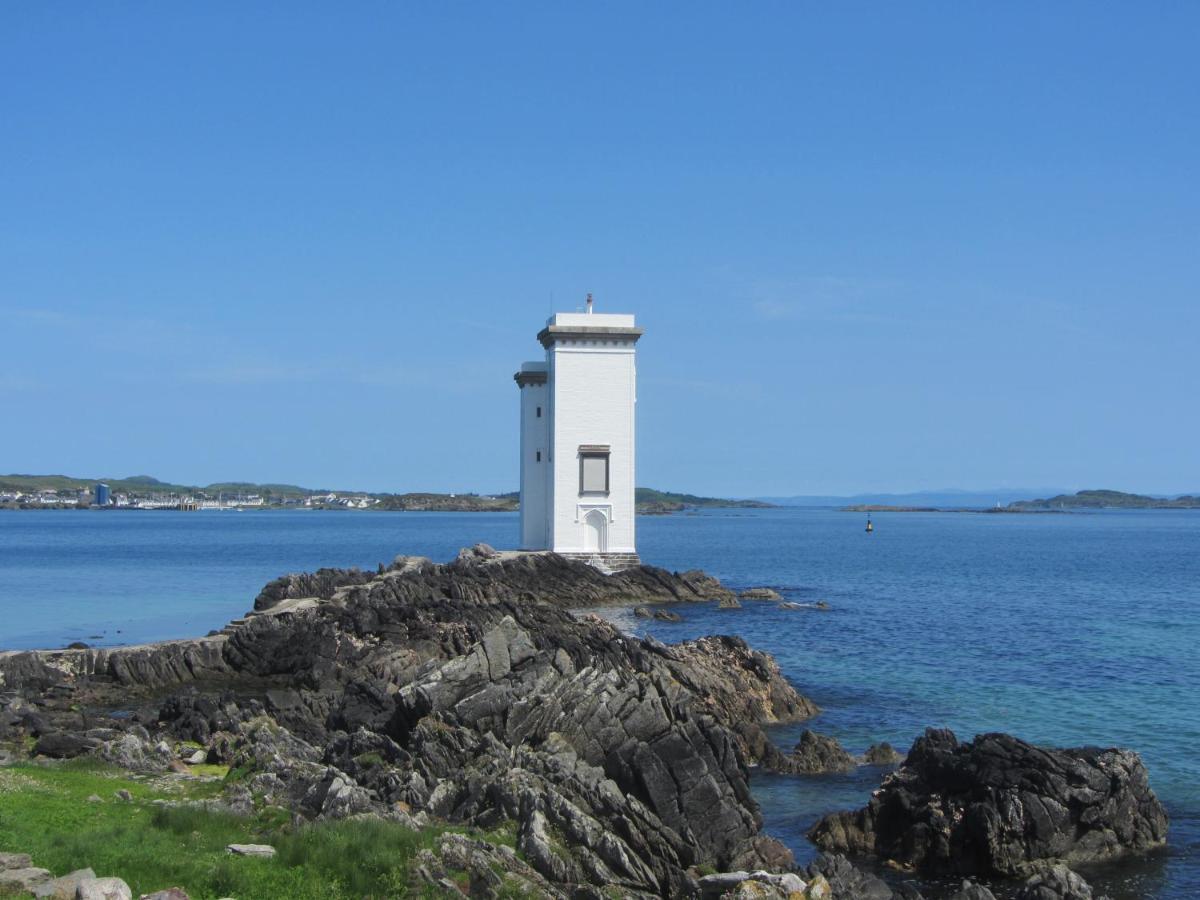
577	439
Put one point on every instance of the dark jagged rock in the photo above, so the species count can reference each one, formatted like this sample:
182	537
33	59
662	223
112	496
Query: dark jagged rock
741	687
484	572
489	869
65	886
882	754
735	682
757	885
470	693
1055	883
197	717
815	754
998	805
760	593
477	577
64	745
583	744
847	881
130	751
321	584
972	890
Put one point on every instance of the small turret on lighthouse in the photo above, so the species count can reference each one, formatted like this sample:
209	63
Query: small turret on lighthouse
577	439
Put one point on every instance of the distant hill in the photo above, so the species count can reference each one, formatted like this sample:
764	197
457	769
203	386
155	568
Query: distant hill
651	501
278	490
142	484
946	497
74	483
1104	499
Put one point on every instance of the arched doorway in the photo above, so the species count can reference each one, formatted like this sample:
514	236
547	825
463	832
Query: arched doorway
595	532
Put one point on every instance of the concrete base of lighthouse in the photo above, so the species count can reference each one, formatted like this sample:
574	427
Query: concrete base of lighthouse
606	562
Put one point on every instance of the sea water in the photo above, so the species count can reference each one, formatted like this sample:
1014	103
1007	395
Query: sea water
1062	629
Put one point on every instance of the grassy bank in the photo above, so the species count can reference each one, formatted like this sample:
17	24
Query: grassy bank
45	811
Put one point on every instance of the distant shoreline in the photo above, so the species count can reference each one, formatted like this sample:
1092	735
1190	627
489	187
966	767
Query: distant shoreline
873	507
144	492
1092	500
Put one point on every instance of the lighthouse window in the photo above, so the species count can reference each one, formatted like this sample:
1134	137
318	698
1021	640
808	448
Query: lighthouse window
593	473
539	456
539	409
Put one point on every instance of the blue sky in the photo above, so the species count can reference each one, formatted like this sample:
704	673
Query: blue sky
877	247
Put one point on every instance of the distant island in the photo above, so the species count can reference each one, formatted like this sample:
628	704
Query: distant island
652	502
147	492
1108	500
885	507
1083	500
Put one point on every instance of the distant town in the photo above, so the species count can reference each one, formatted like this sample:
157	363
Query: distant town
101	496
144	492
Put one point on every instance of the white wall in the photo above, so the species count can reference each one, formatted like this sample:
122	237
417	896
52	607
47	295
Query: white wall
595	320
594	384
534	474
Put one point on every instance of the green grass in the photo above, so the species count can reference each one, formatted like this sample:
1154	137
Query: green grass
209	770
44	811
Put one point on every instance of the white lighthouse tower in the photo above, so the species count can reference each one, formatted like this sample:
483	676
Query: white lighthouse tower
577	439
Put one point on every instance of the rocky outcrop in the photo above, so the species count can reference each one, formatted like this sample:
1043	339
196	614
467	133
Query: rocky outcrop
467	693
639	778
322	584
490	870
972	890
478	577
1055	883
741	687
136	752
998	805
882	754
103	889
65	887
148	665
18	874
762	885
64	745
261	851
19	877
761	593
844	880
815	754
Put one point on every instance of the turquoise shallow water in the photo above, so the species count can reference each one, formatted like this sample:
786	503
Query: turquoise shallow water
1063	629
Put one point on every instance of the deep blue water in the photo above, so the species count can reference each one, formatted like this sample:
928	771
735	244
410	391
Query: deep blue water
1063	629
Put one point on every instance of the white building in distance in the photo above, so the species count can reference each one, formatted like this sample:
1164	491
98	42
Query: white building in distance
577	439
